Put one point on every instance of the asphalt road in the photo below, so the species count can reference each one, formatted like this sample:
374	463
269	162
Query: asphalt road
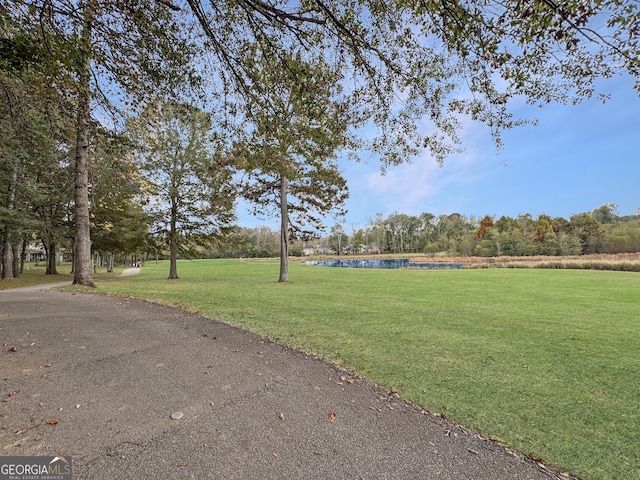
99	377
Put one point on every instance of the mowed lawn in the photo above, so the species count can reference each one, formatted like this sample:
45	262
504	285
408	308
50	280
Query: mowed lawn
546	361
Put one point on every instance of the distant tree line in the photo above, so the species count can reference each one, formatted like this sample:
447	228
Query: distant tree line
130	236
599	231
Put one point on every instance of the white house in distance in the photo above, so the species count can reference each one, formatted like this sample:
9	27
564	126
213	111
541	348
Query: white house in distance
37	253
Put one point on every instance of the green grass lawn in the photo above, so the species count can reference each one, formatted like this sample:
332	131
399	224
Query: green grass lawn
34	274
546	361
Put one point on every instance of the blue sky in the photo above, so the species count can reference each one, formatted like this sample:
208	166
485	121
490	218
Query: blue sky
577	158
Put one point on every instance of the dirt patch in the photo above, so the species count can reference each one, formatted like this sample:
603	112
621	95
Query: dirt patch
130	271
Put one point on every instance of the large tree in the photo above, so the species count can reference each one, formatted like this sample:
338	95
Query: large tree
118	222
99	53
193	195
289	155
35	126
13	146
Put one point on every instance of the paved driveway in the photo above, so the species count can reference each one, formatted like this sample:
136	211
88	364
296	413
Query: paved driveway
99	378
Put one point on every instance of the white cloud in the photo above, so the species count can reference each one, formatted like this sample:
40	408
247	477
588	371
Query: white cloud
423	186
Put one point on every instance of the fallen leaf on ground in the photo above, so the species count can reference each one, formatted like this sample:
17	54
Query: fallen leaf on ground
21	431
13	349
332	417
53	421
281	416
11	394
207	445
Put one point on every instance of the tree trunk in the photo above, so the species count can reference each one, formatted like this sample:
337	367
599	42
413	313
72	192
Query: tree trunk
173	242
8	270
23	254
7	258
51	257
284	232
16	260
82	246
73	255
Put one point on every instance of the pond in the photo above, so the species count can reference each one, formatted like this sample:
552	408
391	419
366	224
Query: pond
383	263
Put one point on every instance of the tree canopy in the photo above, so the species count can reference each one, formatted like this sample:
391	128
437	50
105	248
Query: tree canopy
288	158
191	195
414	68
409	71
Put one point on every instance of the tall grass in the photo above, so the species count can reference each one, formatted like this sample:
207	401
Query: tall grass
566	265
546	361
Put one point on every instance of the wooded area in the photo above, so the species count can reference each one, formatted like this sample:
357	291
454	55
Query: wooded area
89	91
598	231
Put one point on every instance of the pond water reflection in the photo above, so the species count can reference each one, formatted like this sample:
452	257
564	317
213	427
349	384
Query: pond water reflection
382	263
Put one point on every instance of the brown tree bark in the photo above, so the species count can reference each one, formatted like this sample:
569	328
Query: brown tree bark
284	231
173	242
50	248
7	258
8	271
82	274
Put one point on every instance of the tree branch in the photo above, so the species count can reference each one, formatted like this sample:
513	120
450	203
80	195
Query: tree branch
274	13
169	5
